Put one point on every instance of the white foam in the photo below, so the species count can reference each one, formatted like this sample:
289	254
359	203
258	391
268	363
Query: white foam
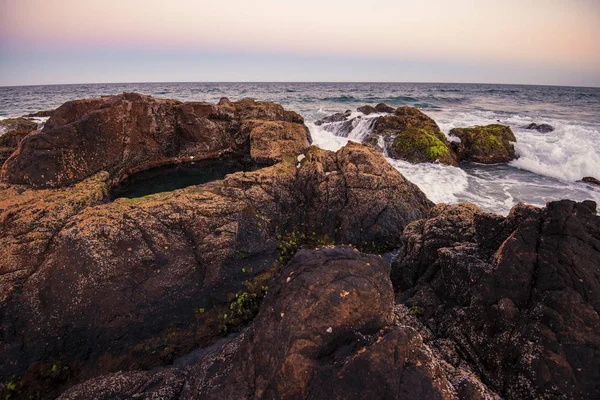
326	140
441	183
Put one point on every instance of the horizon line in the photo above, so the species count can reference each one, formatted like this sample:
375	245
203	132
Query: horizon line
301	82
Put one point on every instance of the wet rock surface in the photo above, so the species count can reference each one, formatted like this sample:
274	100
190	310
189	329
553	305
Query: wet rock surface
591	179
515	298
490	144
405	133
542	128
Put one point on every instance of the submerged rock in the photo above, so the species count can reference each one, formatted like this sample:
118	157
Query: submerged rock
591	179
327	329
543	128
515	297
129	133
490	144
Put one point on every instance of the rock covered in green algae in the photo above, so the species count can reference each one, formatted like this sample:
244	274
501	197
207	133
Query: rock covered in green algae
412	136
489	144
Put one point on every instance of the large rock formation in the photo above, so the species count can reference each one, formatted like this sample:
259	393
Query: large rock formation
516	298
404	133
327	329
89	286
131	132
490	144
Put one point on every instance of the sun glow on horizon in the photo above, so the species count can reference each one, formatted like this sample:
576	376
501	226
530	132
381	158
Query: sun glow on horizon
537	33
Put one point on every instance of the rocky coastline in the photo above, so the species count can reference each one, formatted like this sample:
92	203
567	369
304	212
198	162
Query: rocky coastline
283	270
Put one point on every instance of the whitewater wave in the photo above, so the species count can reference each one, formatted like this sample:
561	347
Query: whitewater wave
494	188
569	153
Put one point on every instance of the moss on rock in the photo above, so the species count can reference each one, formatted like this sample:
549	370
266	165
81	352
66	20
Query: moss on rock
411	135
488	144
422	145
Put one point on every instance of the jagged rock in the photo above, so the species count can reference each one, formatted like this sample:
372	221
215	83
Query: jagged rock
543	128
327	329
129	133
517	298
337	117
99	286
590	179
490	144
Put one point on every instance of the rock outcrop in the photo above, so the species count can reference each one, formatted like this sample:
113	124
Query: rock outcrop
515	298
92	286
542	128
327	329
405	134
490	144
129	133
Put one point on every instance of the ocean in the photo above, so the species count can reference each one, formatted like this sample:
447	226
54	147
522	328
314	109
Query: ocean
548	168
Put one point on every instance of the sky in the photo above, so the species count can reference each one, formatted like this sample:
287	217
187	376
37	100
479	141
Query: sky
555	42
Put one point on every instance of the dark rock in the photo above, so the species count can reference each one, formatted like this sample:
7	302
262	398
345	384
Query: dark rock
590	179
516	298
366	110
543	128
13	138
18	124
100	287
384	108
129	133
490	144
40	114
337	117
326	329
9	143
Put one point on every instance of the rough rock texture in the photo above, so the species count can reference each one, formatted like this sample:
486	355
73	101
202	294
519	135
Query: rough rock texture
490	144
516	298
40	114
542	128
412	136
337	117
591	179
131	132
326	330
405	134
9	143
98	287
18	124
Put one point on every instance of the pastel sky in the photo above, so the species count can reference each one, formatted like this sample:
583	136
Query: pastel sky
509	41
